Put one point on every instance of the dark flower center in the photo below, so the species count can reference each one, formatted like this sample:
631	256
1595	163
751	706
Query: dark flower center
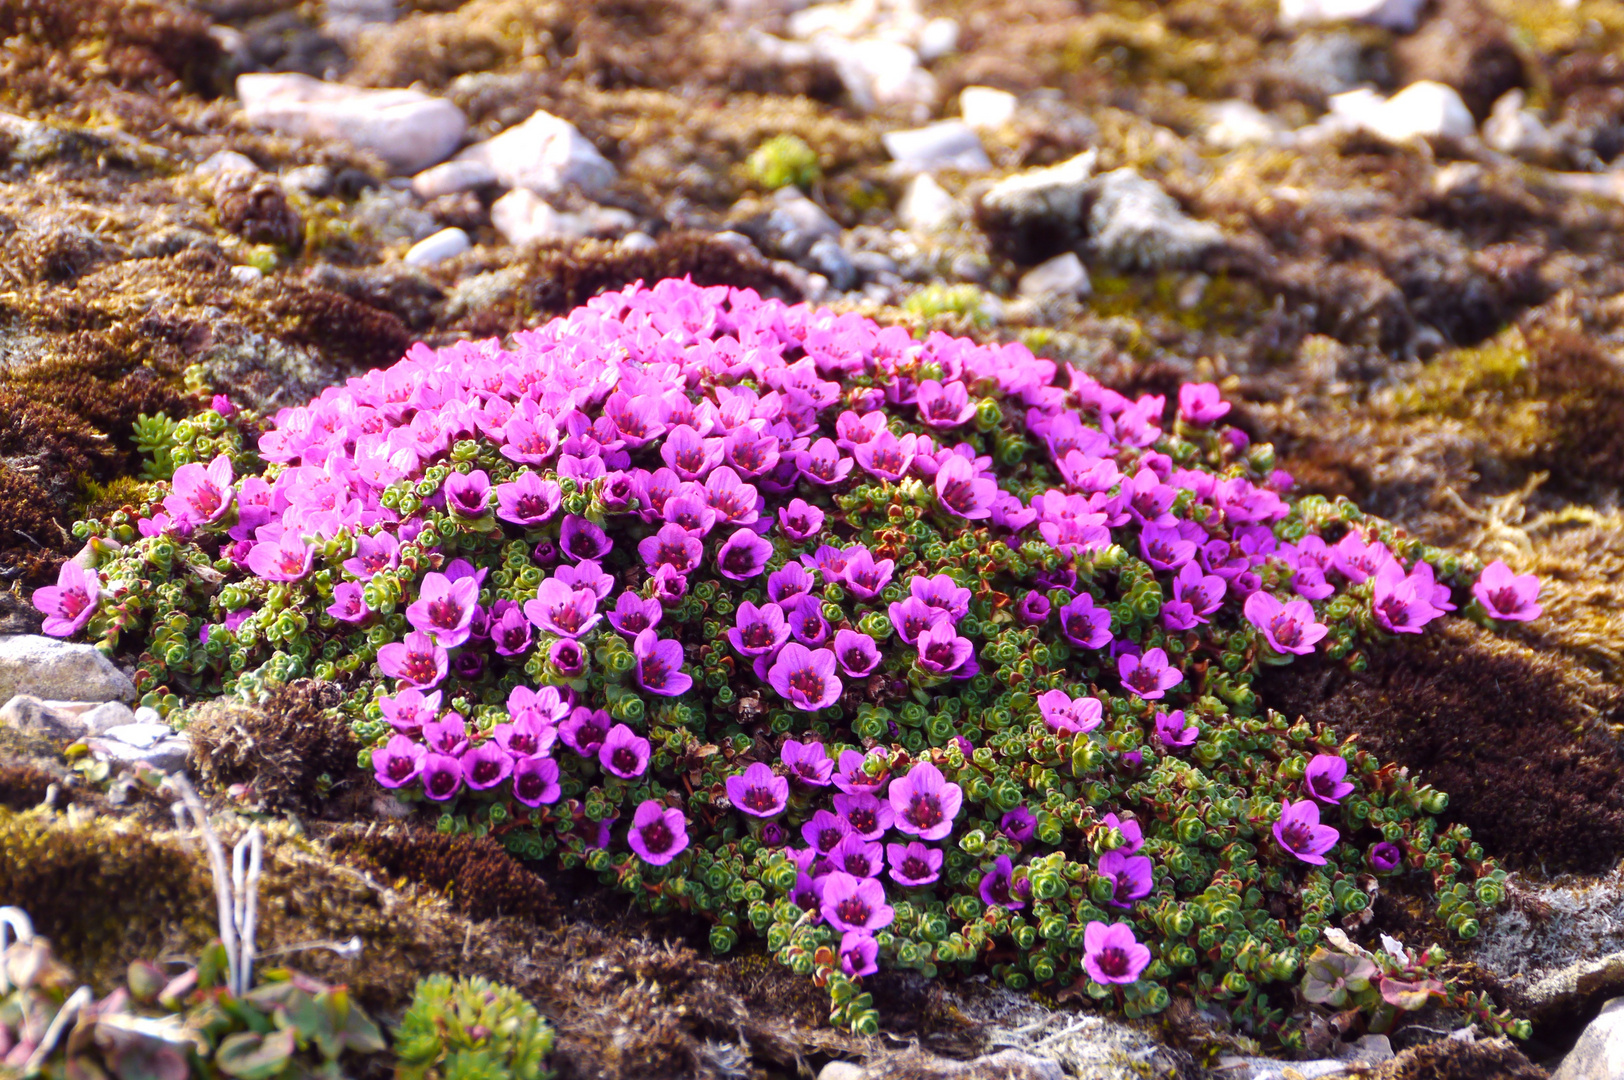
442	782
1297	835
853	911
808	683
445	613
829	837
863	819
634	623
1160	550
1287	630
914	868
739	559
925	811
674	554
486	770
999	890
566	617
657	837
290	562
857	864
522	742
854	659
1505	599
531	506
760	799
1113	961
588	736
959	495
624	759
400	767
206	500
374	562
750	456
655	673
888	459
420	667
1143	678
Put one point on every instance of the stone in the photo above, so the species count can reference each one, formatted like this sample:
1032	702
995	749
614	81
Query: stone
1599	1053
926	207
1522	132
392	216
545	154
1466	46
1421	110
47	667
156	745
102	718
29	714
1062	277
637	240
946	144
408	129
246	275
1325	63
841	1070
1234	123
937	38
225	161
445	244
879	74
452	178
1004	1065
523	217
1135	224
828	258
795	223
1398	15
985	108
315	181
1036	214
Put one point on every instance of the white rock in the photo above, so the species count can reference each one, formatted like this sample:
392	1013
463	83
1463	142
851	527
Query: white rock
246	275
1237	123
146	714
1420	110
986	109
392	216
29	714
1062	276
545	154
313	180
1054	193
523	217
841	1070
445	244
937	38
636	240
451	178
1513	129
878	73
1599	1053
926	207
49	668
140	736
155	744
226	161
1135	224
737	241
1399	15
106	716
797	221
408	129
947	144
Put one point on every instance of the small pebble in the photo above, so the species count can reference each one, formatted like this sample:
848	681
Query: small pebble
445	244
246	275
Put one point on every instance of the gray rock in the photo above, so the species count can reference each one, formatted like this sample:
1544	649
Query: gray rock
445	244
1399	15
393	216
947	144
105	717
154	744
1039	210
226	161
49	668
828	258
796	223
408	129
926	207
453	177
545	154
246	275
146	714
523	217
1513	129
1236	123
30	715
1135	224
1002	1065
1062	277
315	181
31	141
1599	1053
737	241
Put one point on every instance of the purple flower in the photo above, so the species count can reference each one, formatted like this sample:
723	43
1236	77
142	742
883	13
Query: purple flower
941	591
670	584
856	856
546	705
1324	781
751	451
999	889
1289	628
467	495
851	903
1402	603
942	651
692	512
485	766
633	614
944	406
373	555
758	631
807	762
758	791
1195	596
924	802
856	653
580	539
886	456
805	677
200	495
535	781
285	559
791	580
865	576
409	710
349	604
70	603
1165	548
658	834
1505	595
659	665
1130	877
444	609
852	776
1300	832
447	736
1111	954
442	776
636	419
559	609
734	501
1201	404
688	454
1172	732
859	953
509	629
1019	825
912	617
865	813
1129	828
961	491
1034	608
1358	560
585	730
525	736
1384	857
744	555
1082	623
800	520
417	662
822	464
672	546
624	753
567	656
399	762
1071	715
1149	675
913	864
824	831
828	561
527	500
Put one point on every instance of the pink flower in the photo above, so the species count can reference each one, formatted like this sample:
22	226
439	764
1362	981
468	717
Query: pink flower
944	406
1111	954
1401	602
758	791
286	559
744	555
1300	832
624	753
807	762
851	903
528	500
399	762
1289	628
535	781
1083	623
658	834
70	603
559	609
1070	715
800	520
1201	404
1505	595
913	864
1174	731
659	665
469	495
962	492
672	546
924	802
805	677
1149	675
348	604
444	610
417	662
200	495
859	953
1324	779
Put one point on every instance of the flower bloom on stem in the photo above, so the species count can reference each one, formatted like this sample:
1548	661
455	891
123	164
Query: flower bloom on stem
1384	857
1506	595
1019	825
804	614
1201	404
1300	832
527	500
859	953
1111	954
824	831
509	629
913	864
417	661
942	651
442	776
399	762
853	778
408	710
758	791
1130	877
800	520
672	546
1323	780
469	495
525	736
744	555
999	887
1130	831
962	492
924	802
559	609
807	762
1149	675
910	618
758	631
1288	628
70	603
856	856
658	834
805	677
851	903
624	753
200	495
1402	602
535	781
1071	715
485	766
659	665
444	609
349	604
1175	731
567	656
285	559
585	730
856	653
373	555
633	614
580	539
866	814
1083	623
866	575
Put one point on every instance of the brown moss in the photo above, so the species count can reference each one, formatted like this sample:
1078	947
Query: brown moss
353	333
1452	1059
563	278
476	874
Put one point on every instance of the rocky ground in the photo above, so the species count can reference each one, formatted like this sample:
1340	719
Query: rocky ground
1392	231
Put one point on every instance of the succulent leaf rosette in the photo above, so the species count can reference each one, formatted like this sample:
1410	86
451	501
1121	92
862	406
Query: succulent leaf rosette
894	653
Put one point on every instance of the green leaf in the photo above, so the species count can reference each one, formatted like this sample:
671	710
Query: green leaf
247	1056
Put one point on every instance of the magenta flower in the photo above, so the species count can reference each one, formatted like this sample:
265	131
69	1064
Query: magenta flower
633	614
800	520
734	501
373	555
1149	675
942	651
1402	603
924	803
672	546
70	603
1324	781
417	662
1201	404
822	464
447	736
1358	560
1195	596
546	705
1034	608
912	617
758	791
525	736
1111	954
941	591
692	512
510	629
944	406
485	766
913	864
580	539
559	609
865	813
856	653
535	781
824	831
789	581
408	710
859	953
886	456
1174	731
624	753
585	730
852	775
1165	548
1289	628
758	631
528	500
1000	889
858	857
658	834
744	555
659	665
670	584
688	454
1384	857
1130	831
444	610
1070	715
961	491
200	495
442	776
1505	595
752	451
805	677
284	559
807	762
1300	832
399	762
468	495
1083	623
1018	824
1130	877
851	903
348	603
866	576
635	419
567	656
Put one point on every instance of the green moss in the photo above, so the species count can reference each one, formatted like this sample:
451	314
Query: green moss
781	161
937	300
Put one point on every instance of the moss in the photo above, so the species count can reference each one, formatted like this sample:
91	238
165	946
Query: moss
781	161
476	874
1453	1059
